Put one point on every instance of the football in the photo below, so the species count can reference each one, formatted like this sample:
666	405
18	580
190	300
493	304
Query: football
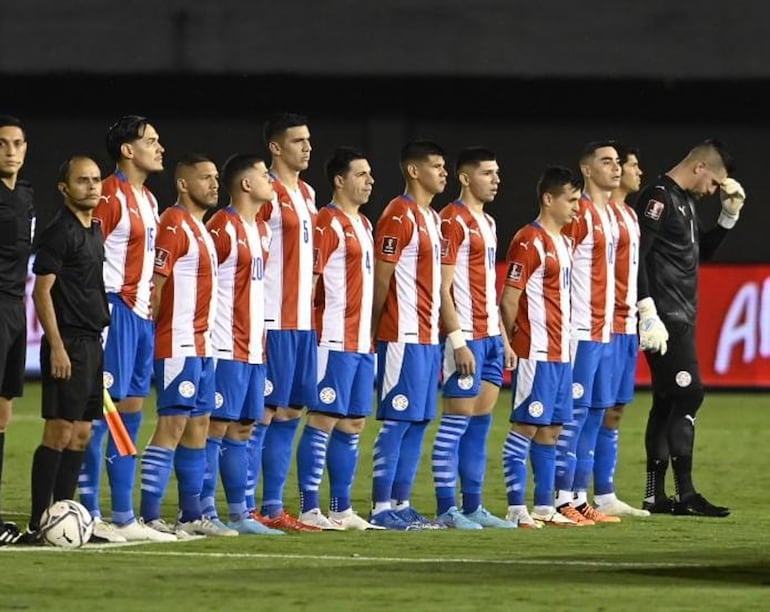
66	524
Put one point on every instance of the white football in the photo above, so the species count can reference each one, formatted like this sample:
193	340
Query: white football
66	524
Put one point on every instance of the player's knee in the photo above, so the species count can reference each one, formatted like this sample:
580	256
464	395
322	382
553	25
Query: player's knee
688	400
351	425
612	417
57	434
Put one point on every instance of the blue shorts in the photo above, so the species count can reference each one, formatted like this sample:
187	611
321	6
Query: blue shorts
185	385
625	349
592	375
291	368
488	353
407	381
345	383
129	345
240	391
542	393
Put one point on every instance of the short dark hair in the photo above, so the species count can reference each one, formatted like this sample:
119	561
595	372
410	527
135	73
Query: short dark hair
420	150
591	147
339	161
235	166
63	174
11	121
278	123
625	151
720	148
188	160
474	156
126	129
554	179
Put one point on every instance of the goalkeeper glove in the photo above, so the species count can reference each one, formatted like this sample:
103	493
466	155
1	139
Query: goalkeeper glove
653	335
732	195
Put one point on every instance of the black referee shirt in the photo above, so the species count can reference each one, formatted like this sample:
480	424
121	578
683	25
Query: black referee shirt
671	245
75	254
17	214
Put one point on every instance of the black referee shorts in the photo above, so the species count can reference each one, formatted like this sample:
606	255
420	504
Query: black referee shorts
13	346
678	369
79	398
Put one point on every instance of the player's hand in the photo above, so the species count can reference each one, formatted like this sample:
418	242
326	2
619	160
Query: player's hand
509	357
733	196
653	335
465	362
60	363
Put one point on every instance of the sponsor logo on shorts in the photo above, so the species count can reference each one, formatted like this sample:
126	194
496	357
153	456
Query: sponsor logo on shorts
577	391
327	395
186	389
683	378
108	380
654	209
465	382
400	402
219	400
535	409
268	387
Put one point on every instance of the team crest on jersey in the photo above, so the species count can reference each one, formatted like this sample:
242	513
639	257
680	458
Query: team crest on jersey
535	409
327	395
108	380
268	387
515	271
219	400
161	257
577	391
465	382
683	378
654	209
389	245
400	402
186	389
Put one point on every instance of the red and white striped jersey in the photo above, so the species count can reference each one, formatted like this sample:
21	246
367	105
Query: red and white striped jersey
409	236
242	250
626	268
593	235
540	265
289	272
129	220
344	260
469	242
185	255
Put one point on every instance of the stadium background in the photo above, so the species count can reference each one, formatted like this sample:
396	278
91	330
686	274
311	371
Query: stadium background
532	82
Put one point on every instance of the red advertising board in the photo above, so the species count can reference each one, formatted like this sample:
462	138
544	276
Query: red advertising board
733	326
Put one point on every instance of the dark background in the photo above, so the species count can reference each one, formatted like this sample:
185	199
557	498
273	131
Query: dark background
532	82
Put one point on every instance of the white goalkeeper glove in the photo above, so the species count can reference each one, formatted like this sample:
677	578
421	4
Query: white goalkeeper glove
732	195
653	335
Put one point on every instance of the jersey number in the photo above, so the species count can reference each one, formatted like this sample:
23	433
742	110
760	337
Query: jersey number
150	239
257	268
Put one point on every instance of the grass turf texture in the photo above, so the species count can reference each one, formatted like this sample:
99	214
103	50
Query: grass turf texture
674	563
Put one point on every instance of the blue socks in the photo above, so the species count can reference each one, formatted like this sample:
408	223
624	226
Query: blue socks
445	459
515	455
156	471
122	472
91	470
254	463
472	464
341	462
566	449
189	466
387	449
276	460
543	458
605	460
211	477
233	468
311	460
585	450
408	461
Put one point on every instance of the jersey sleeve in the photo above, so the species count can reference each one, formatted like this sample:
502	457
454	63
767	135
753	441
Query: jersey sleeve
325	241
217	227
170	244
653	208
521	261
452	236
394	231
266	238
107	213
51	251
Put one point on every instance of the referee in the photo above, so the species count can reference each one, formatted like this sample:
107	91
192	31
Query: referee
17	219
671	246
72	306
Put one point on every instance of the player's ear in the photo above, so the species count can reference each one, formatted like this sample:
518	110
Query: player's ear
462	177
245	185
274	147
339	182
62	187
126	150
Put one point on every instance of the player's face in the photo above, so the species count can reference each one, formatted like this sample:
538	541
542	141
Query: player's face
432	174
83	188
707	180
261	183
603	169
294	147
483	180
631	177
13	150
358	182
202	185
564	207
147	152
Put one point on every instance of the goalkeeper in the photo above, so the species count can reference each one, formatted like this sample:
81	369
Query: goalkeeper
671	246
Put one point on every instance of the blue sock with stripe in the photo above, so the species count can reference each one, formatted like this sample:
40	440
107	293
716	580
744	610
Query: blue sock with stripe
254	463
311	460
210	477
408	461
90	475
189	466
605	460
156	470
543	459
586	447
387	448
445	459
122	472
232	469
341	463
276	461
566	454
515	456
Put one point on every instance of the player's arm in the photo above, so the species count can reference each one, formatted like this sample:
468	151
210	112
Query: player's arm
509	357
41	295
383	273
158	281
464	360
733	197
509	310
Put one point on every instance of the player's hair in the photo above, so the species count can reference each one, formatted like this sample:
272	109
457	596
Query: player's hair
189	160
339	161
625	151
126	129
11	121
63	174
713	151
278	123
554	179
234	168
590	148
473	156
